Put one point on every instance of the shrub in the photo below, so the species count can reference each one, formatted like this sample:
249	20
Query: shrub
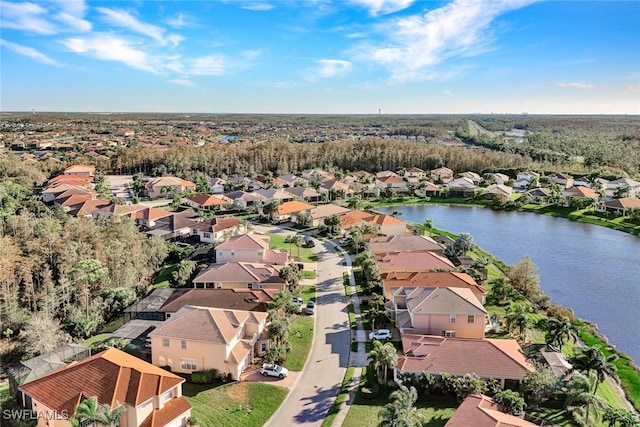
204	377
370	390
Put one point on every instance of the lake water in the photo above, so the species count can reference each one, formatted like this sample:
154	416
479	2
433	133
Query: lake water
591	269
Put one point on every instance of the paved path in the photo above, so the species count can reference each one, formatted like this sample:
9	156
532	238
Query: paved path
317	385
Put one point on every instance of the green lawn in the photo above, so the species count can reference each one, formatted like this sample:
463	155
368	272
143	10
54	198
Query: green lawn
244	404
278	242
308	274
343	395
162	281
96	339
301	334
436	409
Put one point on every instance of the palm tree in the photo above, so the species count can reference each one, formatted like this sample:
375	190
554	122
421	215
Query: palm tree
481	263
593	359
559	331
354	202
428	224
401	412
86	410
332	221
108	416
356	235
579	394
518	320
383	356
620	417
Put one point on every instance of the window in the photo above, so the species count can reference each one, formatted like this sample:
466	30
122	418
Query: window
188	364
448	334
165	342
249	285
206	235
183	345
263	346
471	318
260	286
452	318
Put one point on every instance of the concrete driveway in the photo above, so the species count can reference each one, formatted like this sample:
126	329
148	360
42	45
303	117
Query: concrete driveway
317	386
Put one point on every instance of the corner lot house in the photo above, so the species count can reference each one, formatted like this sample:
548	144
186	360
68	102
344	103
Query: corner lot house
200	338
249	248
151	396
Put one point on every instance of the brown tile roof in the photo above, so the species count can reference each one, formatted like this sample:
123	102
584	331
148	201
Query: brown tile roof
391	180
151	213
482	411
213	325
353	218
87	207
169	180
245	241
487	358
409	243
169	412
412	261
112	375
79	169
82	180
623	203
217	224
444	301
581	192
240	272
322	211
73	199
384	219
235	299
120	210
207	200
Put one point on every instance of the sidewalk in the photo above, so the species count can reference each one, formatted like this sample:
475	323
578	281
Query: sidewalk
358	359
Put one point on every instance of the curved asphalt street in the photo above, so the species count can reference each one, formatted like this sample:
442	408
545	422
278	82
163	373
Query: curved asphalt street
317	386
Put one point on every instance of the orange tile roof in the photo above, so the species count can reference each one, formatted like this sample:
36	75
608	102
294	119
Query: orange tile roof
412	261
581	192
293	206
87	207
151	213
433	279
384	219
112	375
207	200
79	169
73	199
169	412
481	411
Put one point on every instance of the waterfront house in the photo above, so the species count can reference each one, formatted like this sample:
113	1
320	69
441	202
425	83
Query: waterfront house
462	188
431	279
478	410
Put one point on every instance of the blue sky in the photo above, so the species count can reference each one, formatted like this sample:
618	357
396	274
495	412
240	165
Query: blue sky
322	56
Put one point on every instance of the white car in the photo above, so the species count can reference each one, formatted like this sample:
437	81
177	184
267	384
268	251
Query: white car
344	240
380	334
272	370
310	309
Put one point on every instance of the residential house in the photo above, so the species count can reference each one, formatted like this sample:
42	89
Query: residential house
216	185
562	179
249	248
462	188
537	195
274	194
497	191
525	179
314	174
207	201
414	174
431	279
502	359
112	211
412	262
291	180
217	229
148	217
392	182
478	410
430	189
386	174
230	299
576	193
287	211
353	219
499	178
201	338
583	181
178	225
332	186
388	225
50	193
628	187
85	208
248	198
85	170
448	312
619	206
403	243
166	185
320	212
240	275
477	179
151	396
304	193
71	198
442	175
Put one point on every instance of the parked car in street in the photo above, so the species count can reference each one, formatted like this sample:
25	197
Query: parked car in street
310	307
380	334
308	243
298	301
273	370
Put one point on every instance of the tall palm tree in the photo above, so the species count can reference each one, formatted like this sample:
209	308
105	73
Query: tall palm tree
579	393
356	235
401	412
590	359
383	356
481	263
517	317
86	410
354	202
559	331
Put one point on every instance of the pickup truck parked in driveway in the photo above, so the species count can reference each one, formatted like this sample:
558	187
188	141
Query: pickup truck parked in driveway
271	370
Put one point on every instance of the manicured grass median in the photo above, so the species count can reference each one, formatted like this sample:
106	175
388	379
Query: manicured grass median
343	396
244	404
278	242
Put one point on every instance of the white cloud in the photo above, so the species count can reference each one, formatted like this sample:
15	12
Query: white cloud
29	52
419	43
181	21
212	65
332	68
383	7
182	82
124	19
27	17
109	47
259	7
75	23
576	85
